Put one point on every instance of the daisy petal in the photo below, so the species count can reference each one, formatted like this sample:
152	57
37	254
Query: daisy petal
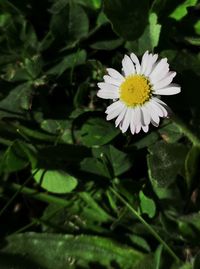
137	115
163	104
152	60
128	66
160	102
114	110
163	74
145	115
162	108
114	106
153	113
107	87
154	123
168	91
155	106
162	64
144	63
164	82
120	117
115	74
110	90
145	128
126	121
111	80
113	114
134	58
107	95
132	125
138	128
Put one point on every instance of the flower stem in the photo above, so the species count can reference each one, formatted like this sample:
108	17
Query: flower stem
186	131
148	227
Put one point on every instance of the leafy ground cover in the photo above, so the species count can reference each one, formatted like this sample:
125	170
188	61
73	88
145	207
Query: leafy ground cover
75	192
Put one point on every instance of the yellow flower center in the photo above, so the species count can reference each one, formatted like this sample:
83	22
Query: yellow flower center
135	90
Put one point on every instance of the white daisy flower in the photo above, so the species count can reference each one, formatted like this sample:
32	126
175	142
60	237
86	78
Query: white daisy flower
135	92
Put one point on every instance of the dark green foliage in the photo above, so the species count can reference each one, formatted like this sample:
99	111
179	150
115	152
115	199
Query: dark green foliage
75	192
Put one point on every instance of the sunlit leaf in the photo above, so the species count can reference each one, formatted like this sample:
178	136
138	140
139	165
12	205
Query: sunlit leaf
149	39
147	205
181	9
55	181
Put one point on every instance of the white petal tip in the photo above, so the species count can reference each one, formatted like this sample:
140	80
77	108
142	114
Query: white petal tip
168	91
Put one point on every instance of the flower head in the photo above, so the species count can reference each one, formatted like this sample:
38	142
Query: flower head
135	92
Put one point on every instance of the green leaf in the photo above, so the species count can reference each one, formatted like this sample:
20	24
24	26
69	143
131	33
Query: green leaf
70	61
94	207
165	162
96	132
17	32
84	211
58	6
146	141
55	181
119	160
53	126
61	128
187	265
4	19
65	153
108	162
195	41
95	166
181	9
33	66
147	205
157	257
170	133
93	4
149	39
73	21
62	251
192	166
17	100
140	242
101	19
78	24
107	45
189	226
128	17
81	93
197	27
152	33
196	264
187	65
14	158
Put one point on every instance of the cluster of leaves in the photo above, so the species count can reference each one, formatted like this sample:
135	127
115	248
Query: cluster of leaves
70	181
